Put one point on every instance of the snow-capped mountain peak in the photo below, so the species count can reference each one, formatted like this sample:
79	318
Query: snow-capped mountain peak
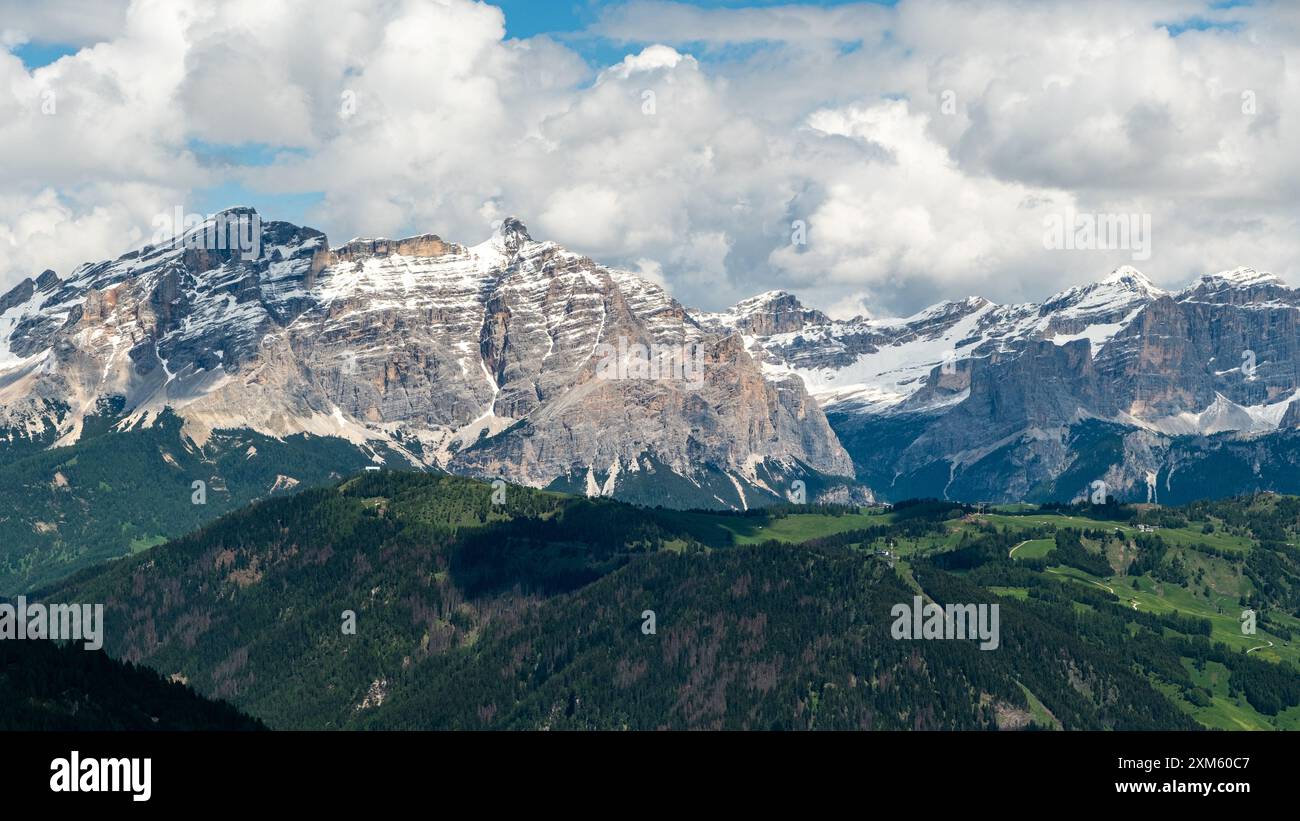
508	239
510	236
754	303
1122	289
1239	286
771	312
1241	277
1126	276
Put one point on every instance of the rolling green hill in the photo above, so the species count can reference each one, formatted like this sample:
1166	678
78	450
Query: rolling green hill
527	612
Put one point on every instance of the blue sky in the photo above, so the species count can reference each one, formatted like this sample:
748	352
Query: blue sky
526	18
35	55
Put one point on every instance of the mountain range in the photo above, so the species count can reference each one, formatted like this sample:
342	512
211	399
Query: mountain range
1160	396
234	376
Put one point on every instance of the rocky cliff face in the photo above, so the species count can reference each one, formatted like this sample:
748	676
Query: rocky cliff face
1117	381
514	358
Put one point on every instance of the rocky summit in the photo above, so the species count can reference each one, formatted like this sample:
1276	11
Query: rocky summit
505	359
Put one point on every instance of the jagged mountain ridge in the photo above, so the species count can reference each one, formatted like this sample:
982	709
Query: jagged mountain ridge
480	360
1117	381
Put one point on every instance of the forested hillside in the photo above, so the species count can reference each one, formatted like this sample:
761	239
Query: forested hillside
50	686
410	601
110	495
